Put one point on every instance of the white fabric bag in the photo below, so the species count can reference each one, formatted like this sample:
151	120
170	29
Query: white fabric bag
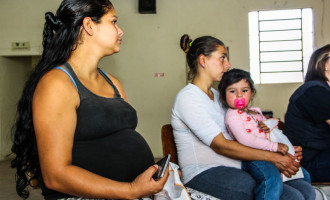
173	189
276	135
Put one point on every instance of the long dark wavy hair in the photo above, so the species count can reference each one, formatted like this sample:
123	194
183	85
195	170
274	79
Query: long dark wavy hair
203	45
316	65
61	35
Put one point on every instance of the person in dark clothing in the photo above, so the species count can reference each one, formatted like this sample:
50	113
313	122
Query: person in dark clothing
307	120
75	131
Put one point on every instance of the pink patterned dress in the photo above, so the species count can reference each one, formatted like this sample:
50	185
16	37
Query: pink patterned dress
243	127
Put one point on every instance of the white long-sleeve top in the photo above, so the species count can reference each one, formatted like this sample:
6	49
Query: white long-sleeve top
196	120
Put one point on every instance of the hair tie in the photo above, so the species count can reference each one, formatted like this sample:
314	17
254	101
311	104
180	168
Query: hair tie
54	22
190	43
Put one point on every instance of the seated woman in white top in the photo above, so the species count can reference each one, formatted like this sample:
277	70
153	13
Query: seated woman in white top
210	160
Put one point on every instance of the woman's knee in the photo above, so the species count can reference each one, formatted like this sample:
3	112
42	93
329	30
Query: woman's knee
305	188
290	193
224	183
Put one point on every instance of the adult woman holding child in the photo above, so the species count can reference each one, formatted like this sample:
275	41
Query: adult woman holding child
307	120
75	132
210	160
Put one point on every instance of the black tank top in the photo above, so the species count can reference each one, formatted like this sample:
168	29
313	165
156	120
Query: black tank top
105	140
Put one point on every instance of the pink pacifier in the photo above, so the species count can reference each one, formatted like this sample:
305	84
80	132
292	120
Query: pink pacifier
240	103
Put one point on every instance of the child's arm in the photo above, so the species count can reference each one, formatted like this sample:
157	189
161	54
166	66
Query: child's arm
282	148
236	125
263	127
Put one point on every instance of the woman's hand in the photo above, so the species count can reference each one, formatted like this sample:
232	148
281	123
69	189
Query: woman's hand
282	148
298	152
144	185
286	164
232	149
263	127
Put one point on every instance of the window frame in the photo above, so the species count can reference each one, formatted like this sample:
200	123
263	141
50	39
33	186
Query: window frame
291	69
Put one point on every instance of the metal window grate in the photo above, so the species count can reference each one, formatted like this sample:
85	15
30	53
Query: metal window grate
277	53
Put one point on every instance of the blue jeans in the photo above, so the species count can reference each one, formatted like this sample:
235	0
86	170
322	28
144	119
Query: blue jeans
269	181
319	167
298	189
227	183
224	183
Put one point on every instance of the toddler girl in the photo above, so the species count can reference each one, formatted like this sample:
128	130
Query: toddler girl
249	127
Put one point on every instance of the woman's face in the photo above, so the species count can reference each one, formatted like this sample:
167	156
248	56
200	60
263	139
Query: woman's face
238	90
108	33
217	63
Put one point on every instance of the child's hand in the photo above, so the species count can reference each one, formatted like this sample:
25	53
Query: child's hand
282	148
263	127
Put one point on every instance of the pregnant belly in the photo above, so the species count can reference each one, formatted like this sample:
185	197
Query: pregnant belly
121	156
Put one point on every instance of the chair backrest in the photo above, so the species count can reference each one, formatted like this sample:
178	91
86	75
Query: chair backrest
168	143
280	125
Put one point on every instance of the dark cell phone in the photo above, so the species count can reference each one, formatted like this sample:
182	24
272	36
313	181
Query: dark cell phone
162	165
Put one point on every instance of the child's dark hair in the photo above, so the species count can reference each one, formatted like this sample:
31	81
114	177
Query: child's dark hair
231	77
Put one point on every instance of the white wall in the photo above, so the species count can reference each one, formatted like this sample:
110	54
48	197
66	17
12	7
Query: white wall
13	74
151	45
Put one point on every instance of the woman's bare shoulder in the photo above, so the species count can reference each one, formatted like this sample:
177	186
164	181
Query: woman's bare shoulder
56	84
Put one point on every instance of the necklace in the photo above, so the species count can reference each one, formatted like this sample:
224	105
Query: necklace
267	135
247	111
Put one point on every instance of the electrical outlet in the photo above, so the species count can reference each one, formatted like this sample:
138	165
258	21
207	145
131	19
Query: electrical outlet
20	45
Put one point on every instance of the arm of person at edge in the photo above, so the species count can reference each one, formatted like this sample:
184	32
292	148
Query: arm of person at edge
54	116
298	153
328	121
285	163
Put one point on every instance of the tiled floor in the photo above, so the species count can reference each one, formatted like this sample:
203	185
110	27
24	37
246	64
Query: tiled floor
7	185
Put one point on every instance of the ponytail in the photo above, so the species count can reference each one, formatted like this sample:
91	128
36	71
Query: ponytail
203	45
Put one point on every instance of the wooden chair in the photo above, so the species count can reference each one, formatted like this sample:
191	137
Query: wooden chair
169	147
168	143
280	125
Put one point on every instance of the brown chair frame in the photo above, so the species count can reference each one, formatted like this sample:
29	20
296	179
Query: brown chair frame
168	143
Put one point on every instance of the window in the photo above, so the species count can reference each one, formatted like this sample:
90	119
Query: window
280	45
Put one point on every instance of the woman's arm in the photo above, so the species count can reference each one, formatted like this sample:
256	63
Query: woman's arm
285	163
328	121
54	115
314	104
